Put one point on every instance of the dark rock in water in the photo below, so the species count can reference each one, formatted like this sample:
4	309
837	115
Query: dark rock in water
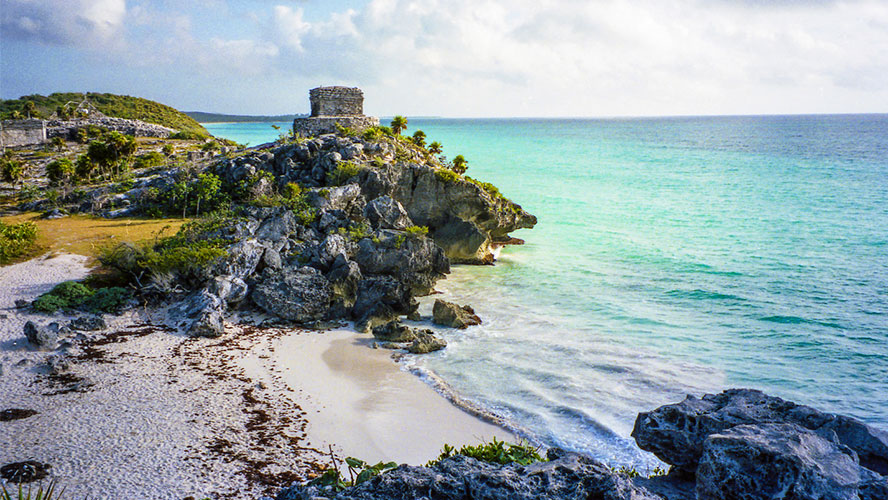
386	213
87	323
301	295
394	332
567	477
15	414
24	472
207	312
42	337
452	315
426	342
776	461
676	433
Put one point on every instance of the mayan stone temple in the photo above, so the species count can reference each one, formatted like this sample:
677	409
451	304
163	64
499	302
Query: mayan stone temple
332	105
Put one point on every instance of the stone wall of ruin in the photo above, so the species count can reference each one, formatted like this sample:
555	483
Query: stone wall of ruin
336	101
15	133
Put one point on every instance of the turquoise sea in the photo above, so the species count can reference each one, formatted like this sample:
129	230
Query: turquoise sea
672	256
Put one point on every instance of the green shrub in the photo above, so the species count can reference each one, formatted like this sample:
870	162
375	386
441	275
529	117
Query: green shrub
148	160
487	187
446	175
49	303
168	150
345	131
189	135
358	471
16	240
60	171
66	295
109	300
356	232
344	171
497	452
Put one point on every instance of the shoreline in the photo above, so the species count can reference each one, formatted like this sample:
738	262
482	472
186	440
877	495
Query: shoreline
250	411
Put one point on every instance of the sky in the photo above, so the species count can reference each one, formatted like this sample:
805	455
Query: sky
458	58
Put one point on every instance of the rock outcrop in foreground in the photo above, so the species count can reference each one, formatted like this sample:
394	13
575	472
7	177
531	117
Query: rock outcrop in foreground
739	445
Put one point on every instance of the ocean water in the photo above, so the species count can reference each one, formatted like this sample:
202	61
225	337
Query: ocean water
672	256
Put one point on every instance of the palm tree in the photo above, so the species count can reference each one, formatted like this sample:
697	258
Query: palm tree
30	108
435	148
419	138
460	164
399	123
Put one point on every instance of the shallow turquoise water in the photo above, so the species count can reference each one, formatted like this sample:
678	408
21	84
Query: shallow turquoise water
673	256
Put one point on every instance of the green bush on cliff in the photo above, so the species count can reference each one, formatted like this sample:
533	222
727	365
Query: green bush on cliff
417	231
16	240
496	452
344	171
148	160
445	175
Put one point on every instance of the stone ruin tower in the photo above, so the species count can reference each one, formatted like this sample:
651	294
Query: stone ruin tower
332	105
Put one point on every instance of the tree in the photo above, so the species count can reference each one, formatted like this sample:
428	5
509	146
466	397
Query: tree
399	123
435	148
59	143
112	152
419	138
206	188
13	171
460	164
60	171
16	115
84	167
30	108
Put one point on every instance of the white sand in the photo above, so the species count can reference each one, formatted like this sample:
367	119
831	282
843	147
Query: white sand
160	415
363	404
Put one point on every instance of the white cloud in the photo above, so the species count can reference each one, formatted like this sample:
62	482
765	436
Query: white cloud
69	22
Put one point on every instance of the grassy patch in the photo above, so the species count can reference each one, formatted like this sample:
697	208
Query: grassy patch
344	171
16	240
85	235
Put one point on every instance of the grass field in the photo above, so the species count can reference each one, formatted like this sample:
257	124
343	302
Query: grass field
85	235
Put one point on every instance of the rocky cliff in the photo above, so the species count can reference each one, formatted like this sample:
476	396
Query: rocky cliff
740	444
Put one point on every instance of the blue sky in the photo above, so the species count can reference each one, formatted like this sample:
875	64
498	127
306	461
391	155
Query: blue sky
458	57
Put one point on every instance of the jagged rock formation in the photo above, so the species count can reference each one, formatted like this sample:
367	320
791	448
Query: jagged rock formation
738	445
453	315
355	251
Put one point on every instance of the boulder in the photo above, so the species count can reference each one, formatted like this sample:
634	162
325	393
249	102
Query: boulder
414	260
386	213
569	476
44	338
394	331
426	342
87	323
453	315
229	288
675	433
242	259
381	299
207	312
297	294
776	461
344	278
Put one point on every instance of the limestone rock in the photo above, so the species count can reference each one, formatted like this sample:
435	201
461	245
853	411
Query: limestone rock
776	461
414	260
87	323
426	342
570	476
231	289
676	432
207	312
394	331
386	213
452	315
44	338
300	294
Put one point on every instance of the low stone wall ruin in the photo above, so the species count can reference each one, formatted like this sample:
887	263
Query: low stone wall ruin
14	133
136	128
308	127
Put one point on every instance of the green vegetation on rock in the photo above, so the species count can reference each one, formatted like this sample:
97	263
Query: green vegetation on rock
120	106
496	452
344	171
73	294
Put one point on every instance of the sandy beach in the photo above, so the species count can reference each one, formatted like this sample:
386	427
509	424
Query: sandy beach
138	410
